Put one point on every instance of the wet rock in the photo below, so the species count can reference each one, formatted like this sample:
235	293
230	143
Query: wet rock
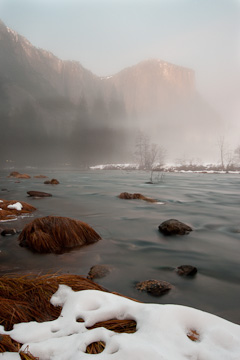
52	182
4	190
128	196
99	271
6	232
17	175
186	270
56	234
154	287
174	227
38	194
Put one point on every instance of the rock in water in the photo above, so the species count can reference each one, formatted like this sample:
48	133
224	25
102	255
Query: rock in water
186	270
55	234
98	271
38	194
52	182
17	175
128	196
154	287
174	227
8	232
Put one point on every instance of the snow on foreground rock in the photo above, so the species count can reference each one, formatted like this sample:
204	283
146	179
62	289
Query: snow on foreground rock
17	206
161	331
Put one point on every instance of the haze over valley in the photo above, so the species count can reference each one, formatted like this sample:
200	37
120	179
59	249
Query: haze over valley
56	111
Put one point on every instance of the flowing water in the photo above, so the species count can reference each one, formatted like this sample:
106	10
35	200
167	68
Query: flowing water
131	243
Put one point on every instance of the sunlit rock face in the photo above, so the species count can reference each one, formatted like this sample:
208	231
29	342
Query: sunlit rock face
151	84
37	72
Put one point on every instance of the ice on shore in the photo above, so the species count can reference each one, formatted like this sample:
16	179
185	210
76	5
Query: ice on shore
17	206
162	331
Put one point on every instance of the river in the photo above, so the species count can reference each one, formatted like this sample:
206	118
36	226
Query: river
131	243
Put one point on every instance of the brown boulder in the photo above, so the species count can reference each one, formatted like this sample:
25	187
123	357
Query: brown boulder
98	271
154	287
128	196
38	194
174	227
55	234
52	182
17	175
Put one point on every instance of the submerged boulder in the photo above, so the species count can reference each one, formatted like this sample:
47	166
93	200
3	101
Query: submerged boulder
56	234
99	271
174	227
38	194
128	196
154	287
6	232
52	182
10	209
186	270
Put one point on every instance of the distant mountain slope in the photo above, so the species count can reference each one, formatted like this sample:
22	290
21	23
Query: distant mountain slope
83	118
151	85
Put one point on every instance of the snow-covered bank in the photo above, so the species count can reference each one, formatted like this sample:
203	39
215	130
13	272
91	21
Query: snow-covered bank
163	331
206	169
115	167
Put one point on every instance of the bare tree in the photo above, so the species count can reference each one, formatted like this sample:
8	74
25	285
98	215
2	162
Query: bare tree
149	155
237	153
221	143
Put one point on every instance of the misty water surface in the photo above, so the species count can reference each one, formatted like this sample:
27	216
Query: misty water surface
131	242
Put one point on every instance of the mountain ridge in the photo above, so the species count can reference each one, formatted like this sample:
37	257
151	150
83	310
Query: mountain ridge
66	102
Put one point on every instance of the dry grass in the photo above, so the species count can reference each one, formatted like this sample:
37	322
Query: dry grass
7	214
21	296
52	234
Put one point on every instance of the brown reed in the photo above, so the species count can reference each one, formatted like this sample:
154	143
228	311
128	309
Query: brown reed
55	234
7	214
27	298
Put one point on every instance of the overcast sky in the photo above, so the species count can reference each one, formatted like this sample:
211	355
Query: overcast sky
107	35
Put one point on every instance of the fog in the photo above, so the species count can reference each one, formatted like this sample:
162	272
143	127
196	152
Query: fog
106	37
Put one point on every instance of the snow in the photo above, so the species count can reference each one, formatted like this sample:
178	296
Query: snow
16	206
161	331
1	200
114	167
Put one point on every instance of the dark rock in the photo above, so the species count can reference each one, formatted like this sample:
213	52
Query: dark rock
174	227
38	194
128	196
8	232
4	190
154	287
186	270
52	182
99	271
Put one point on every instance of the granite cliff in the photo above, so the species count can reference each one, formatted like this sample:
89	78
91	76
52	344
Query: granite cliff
73	111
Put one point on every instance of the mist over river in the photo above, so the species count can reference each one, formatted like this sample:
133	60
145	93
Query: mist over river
131	243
